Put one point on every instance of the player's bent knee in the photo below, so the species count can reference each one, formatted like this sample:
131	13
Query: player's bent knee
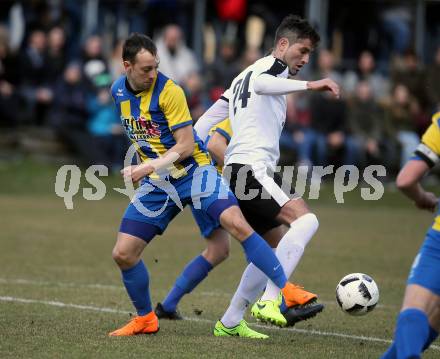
123	258
292	210
416	296
234	222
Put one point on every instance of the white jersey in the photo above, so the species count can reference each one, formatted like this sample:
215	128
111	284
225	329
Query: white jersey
257	120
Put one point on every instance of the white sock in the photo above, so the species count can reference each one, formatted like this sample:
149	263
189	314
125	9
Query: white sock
291	248
251	285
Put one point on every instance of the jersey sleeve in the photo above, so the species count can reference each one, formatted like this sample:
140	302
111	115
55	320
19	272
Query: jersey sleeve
266	84
224	129
429	148
172	101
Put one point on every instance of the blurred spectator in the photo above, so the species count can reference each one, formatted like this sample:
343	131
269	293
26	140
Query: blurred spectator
326	67
250	55
366	125
69	114
401	112
56	57
93	60
433	82
411	74
70	118
9	77
225	67
115	64
327	135
198	102
366	72
35	78
177	61
297	123
104	125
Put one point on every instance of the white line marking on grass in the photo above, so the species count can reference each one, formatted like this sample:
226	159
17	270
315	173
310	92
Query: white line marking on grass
201	320
43	283
62	305
58	284
121	287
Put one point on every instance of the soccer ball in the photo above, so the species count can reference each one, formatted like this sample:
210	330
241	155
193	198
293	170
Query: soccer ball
357	294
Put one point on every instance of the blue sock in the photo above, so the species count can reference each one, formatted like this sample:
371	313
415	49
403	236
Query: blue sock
136	282
433	334
192	275
261	255
411	334
390	353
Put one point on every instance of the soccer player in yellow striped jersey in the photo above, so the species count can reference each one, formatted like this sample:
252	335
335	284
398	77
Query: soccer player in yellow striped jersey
418	323
155	115
150	117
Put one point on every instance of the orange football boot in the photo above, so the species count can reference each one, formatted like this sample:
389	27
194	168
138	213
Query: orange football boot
145	324
296	295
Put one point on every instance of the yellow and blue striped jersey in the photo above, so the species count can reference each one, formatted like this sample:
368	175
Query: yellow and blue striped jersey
151	116
429	151
224	128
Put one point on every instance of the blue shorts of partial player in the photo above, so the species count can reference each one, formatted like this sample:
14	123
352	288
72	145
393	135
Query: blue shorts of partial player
157	202
425	270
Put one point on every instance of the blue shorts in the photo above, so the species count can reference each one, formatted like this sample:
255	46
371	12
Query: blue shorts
425	270
157	202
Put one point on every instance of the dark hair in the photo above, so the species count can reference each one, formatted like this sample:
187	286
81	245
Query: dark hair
135	43
294	28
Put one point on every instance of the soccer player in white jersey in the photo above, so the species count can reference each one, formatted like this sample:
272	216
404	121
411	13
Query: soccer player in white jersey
256	105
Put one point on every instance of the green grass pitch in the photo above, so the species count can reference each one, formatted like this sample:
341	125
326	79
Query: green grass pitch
60	292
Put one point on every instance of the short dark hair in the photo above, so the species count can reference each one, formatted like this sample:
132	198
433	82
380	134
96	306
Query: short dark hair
135	43
294	28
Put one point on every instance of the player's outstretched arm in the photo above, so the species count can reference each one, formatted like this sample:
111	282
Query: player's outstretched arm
266	84
408	181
